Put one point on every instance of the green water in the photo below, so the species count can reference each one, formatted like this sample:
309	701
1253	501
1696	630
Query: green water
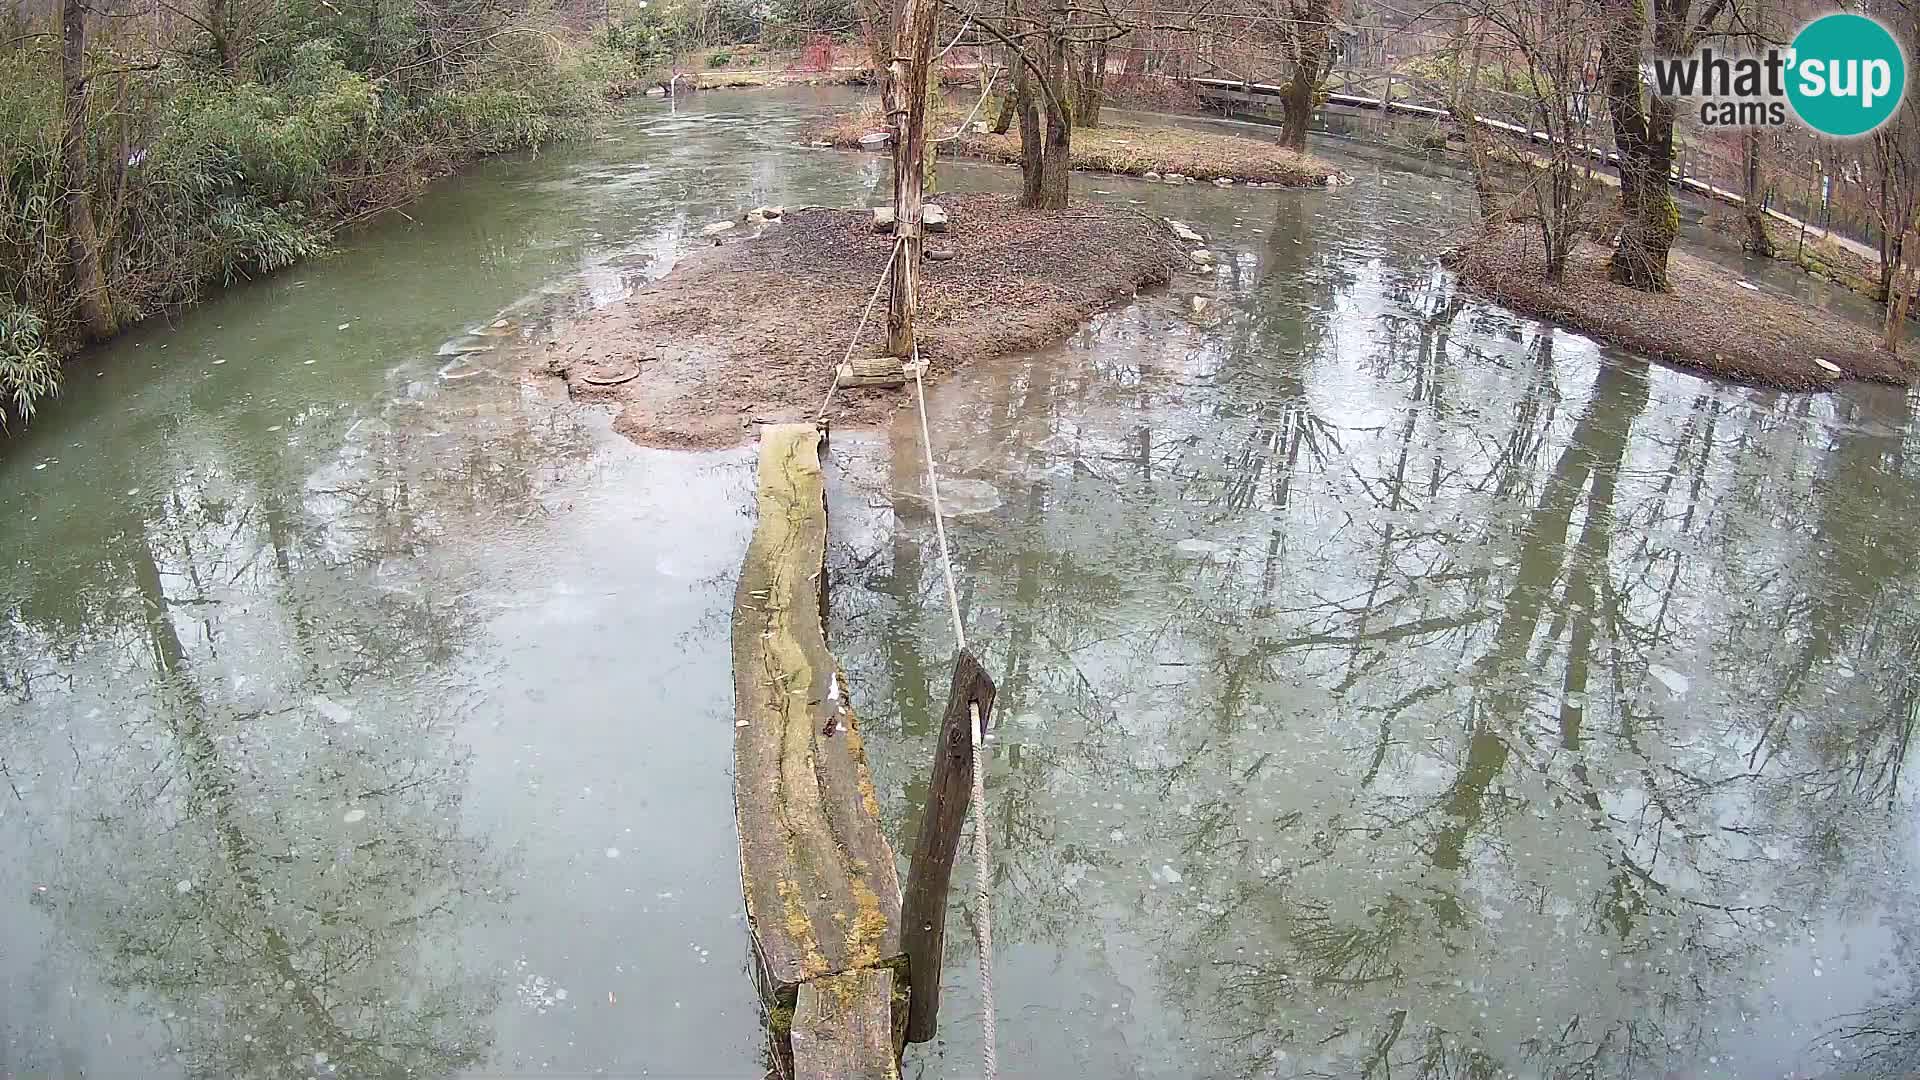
1389	686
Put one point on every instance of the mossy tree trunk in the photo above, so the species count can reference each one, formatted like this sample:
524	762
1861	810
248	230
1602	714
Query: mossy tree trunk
1643	131
1311	45
93	305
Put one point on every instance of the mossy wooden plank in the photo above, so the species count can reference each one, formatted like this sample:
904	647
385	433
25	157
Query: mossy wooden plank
822	894
843	1028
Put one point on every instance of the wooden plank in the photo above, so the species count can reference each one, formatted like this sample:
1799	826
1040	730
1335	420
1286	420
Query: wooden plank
843	1028
924	913
821	891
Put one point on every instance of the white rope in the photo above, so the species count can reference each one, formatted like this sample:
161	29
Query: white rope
933	491
898	243
964	24
968	122
982	866
983	897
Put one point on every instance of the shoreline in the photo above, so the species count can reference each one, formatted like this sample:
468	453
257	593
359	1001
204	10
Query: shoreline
1711	324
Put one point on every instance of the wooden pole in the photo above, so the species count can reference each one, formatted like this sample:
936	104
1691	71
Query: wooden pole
923	916
906	97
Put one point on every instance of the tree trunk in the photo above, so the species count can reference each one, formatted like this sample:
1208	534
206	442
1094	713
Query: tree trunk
1093	85
1754	196
1008	107
1056	155
1311	36
1643	137
906	97
1899	296
1027	106
93	307
220	30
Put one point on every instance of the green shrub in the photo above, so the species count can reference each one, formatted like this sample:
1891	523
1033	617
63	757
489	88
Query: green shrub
719	59
29	369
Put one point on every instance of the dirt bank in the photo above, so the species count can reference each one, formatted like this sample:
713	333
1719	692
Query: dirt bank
753	329
1114	147
1708	323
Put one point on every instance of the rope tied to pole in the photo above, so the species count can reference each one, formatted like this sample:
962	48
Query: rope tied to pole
898	243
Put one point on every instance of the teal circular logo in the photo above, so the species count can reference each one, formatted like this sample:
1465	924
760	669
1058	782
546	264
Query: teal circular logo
1848	74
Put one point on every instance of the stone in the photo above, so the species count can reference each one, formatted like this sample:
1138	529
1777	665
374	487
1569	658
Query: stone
771	212
1185	232
1176	178
1223	181
1150	175
875	140
979	127
933	217
656	91
1333	181
716	228
1827	366
882	218
1202	258
937	254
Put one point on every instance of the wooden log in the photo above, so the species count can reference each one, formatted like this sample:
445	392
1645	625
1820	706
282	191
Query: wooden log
924	909
821	891
843	1028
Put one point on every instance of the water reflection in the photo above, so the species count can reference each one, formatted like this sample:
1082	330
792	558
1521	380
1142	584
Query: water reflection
1395	687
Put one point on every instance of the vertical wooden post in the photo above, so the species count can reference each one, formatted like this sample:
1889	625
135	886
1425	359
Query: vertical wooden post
907	99
923	916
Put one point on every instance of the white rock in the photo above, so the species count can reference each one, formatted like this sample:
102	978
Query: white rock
1202	258
933	217
1223	181
1333	181
1150	176
1828	366
882	218
716	228
1176	178
1185	232
656	91
979	127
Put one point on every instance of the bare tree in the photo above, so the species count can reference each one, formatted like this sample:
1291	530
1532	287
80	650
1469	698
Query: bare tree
1643	127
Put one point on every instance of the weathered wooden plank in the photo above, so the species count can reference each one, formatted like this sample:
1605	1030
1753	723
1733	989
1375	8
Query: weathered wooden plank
843	1028
821	891
924	908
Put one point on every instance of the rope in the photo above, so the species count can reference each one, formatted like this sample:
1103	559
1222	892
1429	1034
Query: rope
898	243
983	896
982	867
939	519
968	122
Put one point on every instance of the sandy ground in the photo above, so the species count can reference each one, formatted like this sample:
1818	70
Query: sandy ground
1708	323
752	330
